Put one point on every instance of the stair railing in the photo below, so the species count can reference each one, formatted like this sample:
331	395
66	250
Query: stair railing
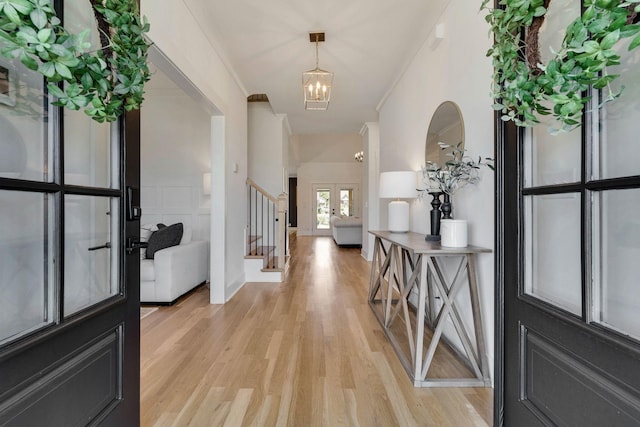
267	225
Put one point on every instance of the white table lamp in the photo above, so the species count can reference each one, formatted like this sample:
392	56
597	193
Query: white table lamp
398	185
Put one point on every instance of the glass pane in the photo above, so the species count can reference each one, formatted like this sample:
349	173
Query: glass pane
25	153
552	248
346	202
618	252
27	274
323	206
553	159
87	154
619	126
87	151
91	246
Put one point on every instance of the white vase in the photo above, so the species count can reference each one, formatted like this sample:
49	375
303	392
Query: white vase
453	233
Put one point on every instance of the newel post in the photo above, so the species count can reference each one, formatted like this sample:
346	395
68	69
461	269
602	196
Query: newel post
282	230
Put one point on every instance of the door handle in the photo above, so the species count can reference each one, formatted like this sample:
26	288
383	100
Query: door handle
133	244
105	246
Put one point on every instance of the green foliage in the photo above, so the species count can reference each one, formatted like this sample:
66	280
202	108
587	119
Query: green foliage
105	82
557	88
456	172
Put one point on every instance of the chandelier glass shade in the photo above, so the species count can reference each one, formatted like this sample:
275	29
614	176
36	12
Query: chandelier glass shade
316	85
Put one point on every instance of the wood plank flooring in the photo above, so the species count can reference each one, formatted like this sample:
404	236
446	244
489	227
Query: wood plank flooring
307	352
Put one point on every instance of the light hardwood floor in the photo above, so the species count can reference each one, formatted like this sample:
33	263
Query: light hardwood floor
307	352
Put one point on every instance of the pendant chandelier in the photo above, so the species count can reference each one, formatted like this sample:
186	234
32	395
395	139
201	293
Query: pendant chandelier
316	83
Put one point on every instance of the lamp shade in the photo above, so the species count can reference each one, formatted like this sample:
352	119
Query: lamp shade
398	185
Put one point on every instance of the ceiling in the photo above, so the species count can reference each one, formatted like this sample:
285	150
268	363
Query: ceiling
368	45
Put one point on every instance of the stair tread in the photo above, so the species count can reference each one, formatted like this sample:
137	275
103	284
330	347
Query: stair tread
260	252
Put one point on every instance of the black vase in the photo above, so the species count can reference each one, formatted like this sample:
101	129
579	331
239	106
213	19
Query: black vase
446	207
435	218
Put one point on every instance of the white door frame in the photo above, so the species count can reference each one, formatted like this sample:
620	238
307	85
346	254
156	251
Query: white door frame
334	203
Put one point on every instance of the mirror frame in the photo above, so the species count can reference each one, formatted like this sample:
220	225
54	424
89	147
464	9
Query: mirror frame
443	119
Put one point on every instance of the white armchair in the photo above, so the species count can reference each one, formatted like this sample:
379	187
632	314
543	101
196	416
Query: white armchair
174	271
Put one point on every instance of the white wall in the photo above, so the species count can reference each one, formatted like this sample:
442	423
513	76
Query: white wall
175	153
327	147
454	69
176	32
268	147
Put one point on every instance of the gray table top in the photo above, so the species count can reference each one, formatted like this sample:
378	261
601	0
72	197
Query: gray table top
415	242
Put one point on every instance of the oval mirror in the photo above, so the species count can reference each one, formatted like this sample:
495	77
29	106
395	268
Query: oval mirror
446	126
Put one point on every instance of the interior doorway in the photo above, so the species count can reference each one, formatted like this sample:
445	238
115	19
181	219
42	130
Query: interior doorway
293	202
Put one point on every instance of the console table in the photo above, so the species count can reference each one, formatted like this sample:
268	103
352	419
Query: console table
396	270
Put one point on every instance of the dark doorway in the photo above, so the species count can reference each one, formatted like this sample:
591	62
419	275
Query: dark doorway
293	202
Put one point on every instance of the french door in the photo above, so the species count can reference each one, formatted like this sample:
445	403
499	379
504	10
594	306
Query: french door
333	199
69	290
568	239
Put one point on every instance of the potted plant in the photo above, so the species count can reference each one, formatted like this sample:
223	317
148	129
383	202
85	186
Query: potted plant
459	170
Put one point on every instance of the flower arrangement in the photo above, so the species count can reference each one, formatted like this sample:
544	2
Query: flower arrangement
456	172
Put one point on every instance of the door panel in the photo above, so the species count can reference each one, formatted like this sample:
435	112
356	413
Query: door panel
564	363
54	398
555	381
69	291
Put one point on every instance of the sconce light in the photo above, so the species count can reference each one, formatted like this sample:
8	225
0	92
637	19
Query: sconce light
359	156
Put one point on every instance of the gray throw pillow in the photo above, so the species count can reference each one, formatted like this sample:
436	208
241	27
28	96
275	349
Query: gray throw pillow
164	238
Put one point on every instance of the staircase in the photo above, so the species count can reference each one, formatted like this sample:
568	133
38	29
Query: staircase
267	255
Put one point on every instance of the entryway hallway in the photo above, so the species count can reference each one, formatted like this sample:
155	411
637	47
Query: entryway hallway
307	352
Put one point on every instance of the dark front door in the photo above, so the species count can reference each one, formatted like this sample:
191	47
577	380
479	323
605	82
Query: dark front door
568	268
69	292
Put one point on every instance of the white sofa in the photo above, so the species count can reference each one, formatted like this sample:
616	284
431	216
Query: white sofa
347	231
174	271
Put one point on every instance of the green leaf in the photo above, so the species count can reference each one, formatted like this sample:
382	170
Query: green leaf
629	30
591	46
47	69
39	18
610	39
635	42
63	71
27	35
86	80
539	11
14	8
44	34
28	61
55	90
